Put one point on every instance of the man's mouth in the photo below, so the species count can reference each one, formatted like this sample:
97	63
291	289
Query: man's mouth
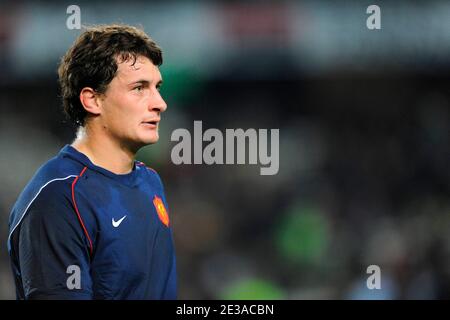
151	123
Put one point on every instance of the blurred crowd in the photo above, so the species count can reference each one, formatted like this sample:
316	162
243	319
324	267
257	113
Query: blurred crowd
363	180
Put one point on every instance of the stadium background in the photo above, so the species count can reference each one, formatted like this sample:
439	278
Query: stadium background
364	139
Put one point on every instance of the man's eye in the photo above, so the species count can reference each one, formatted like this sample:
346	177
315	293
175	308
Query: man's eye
138	88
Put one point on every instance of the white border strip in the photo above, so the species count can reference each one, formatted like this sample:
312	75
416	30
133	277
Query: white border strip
23	214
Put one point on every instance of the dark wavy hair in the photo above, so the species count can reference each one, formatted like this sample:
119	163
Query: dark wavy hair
92	62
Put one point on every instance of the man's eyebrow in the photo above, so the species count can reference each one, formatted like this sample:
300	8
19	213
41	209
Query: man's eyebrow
142	81
146	82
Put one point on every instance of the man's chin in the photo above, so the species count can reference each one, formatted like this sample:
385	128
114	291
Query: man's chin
140	143
151	140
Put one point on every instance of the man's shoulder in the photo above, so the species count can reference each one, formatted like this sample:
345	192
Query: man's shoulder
53	179
50	186
148	171
141	164
58	170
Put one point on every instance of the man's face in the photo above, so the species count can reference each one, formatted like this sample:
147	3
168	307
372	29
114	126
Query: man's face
132	104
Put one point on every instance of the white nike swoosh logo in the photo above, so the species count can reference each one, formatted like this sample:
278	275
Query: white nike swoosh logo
117	223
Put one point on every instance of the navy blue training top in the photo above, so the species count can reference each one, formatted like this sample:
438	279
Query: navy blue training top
78	231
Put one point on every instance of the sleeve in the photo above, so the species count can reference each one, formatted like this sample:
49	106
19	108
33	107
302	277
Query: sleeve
53	256
170	292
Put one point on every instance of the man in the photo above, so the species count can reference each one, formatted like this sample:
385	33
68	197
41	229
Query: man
92	223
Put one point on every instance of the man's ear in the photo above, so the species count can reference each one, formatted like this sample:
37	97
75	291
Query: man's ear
90	101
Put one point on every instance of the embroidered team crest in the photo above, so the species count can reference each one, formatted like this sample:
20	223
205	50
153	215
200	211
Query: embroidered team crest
161	210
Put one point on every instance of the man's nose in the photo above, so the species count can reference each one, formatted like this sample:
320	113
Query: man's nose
158	104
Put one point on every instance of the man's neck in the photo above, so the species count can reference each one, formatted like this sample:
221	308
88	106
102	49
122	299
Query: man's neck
104	152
